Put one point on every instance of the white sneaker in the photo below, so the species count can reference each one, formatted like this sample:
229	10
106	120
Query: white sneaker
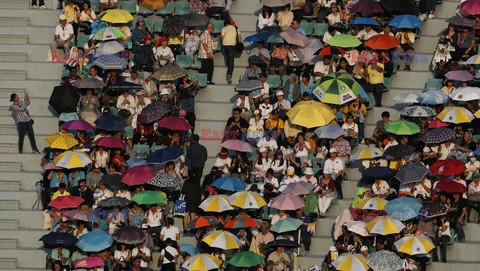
43	7
35	6
430	16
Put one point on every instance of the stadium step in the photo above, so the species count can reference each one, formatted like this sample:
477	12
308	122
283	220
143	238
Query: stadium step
8	263
36	34
409	79
9	186
446	10
13	57
13	39
24	237
9	204
42	125
35	17
434	27
5	166
13	21
11	199
13	74
34	70
15	179
25	218
14	4
11	224
6	243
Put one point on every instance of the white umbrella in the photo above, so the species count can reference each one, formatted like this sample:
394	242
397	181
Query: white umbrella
466	94
406	98
357	227
109	48
216	203
418	111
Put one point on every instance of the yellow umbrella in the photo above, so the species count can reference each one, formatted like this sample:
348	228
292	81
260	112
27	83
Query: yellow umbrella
477	114
375	203
385	225
62	141
455	115
247	200
367	153
201	262
72	159
254	247
310	114
222	239
216	204
116	16
414	245
351	262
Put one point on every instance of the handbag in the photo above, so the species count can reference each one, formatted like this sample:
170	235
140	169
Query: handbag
180	206
239	45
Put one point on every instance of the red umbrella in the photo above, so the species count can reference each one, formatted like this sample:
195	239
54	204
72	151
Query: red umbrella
66	202
382	42
175	124
241	222
202	221
110	142
138	175
451	187
436	123
329	50
471	7
448	167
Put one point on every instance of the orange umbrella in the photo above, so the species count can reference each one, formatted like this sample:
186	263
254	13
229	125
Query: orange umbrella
154	4
382	42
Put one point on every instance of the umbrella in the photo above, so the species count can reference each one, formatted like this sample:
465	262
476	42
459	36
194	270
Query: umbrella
456	115
247	200
109	33
191	250
64	100
433	97
129	235
337	88
307	54
374	203
471	7
310	114
438	135
367	57
401	7
403	208
169	73
201	262
367	6
111	62
351	262
113	201
415	245
135	162
473	60
149	197
165	155
406	21
294	37
58	239
267	31
222	239
78	125
164	180
461	21
253	246
330	50
411	173
194	19
459	75
330	131
114	89
241	222
50	166
373	173
215	204
402	127
154	4
110	142
283	243
229	184
382	42
109	48
95	241
399	150
138	175
275	3
153	112
62	141
286	225
72	159
364	21
436	123
110	123
116	16
89	82
418	111
80	215
367	153
246	259
465	94
252	38
66	202
406	98
344	41
175	124
202	221
357	227
88	263
451	187
255	60
237	145
435	208
287	202
113	181
173	26
275	38
385	225
384	260
248	86
300	188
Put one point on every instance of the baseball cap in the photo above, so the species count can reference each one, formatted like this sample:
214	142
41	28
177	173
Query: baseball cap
475	175
266	96
364	248
290	170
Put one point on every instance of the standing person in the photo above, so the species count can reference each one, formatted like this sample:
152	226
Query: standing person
229	37
41	3
193	197
168	256
375	79
205	53
24	121
197	155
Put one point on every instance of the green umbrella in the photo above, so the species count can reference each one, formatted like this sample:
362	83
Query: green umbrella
344	41
246	259
149	197
108	33
337	88
286	225
402	127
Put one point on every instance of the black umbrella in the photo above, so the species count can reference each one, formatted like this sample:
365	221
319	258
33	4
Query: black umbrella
399	150
266	32
64	100
400	7
113	90
194	19
283	243
433	208
256	60
113	181
110	123
461	21
153	112
438	135
248	86
164	180
373	173
411	173
88	83
129	235
367	6
173	26
58	239
113	201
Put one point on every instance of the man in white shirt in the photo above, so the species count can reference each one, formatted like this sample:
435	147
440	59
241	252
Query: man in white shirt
63	35
290	177
169	231
323	67
126	101
168	256
268	143
335	165
223	162
329	34
144	252
366	33
154	220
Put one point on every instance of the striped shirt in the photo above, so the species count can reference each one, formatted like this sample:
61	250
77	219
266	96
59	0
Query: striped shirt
21	111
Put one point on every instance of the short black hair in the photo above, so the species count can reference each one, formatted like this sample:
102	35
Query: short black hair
12	97
385	114
196	138
237	109
62	185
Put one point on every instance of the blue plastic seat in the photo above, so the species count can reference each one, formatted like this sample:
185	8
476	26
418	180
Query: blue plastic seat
273	81
181	8
130	6
167	10
184	61
157	25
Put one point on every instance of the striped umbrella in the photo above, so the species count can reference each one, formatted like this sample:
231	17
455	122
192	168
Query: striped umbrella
367	153
337	88
415	245
241	222
72	159
61	141
473	60
465	94
111	62
109	33
201	262
418	111
385	225
215	204
222	239
433	97
402	127
169	73
253	246
438	135
351	262
456	115
247	200
329	131
202	221
375	203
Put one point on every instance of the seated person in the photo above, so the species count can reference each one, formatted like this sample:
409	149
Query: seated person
63	36
380	188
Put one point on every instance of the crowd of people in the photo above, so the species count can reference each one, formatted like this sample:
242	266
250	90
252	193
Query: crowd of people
274	176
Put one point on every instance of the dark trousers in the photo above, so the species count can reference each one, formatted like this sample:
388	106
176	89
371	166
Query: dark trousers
229	52
459	230
307	240
197	173
75	31
441	242
377	90
168	267
26	128
176	49
338	186
40	2
207	67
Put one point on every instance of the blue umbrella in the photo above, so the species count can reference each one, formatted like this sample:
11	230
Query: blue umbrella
229	184
403	208
111	62
331	131
160	157
266	32
95	241
110	123
275	38
364	21
406	21
433	97
189	249
133	162
373	173
58	239
252	38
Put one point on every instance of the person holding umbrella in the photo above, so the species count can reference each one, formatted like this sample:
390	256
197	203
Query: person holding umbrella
24	122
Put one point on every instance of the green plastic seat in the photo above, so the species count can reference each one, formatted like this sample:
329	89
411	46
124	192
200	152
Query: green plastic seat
219	44
386	83
128	130
65	73
320	29
149	23
273	81
181	8
158	25
284	80
145	11
130	6
197	64
167	10
217	26
95	6
433	83
82	40
308	27
140	150
184	61
202	79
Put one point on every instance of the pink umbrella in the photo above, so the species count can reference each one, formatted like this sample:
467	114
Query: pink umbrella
237	145
471	7
300	188
51	166
110	142
459	75
287	202
89	262
79	125
293	37
175	124
138	175
436	123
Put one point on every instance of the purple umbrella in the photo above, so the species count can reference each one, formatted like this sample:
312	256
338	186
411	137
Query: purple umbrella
78	125
287	202
293	37
300	188
154	112
129	235
459	75
367	6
